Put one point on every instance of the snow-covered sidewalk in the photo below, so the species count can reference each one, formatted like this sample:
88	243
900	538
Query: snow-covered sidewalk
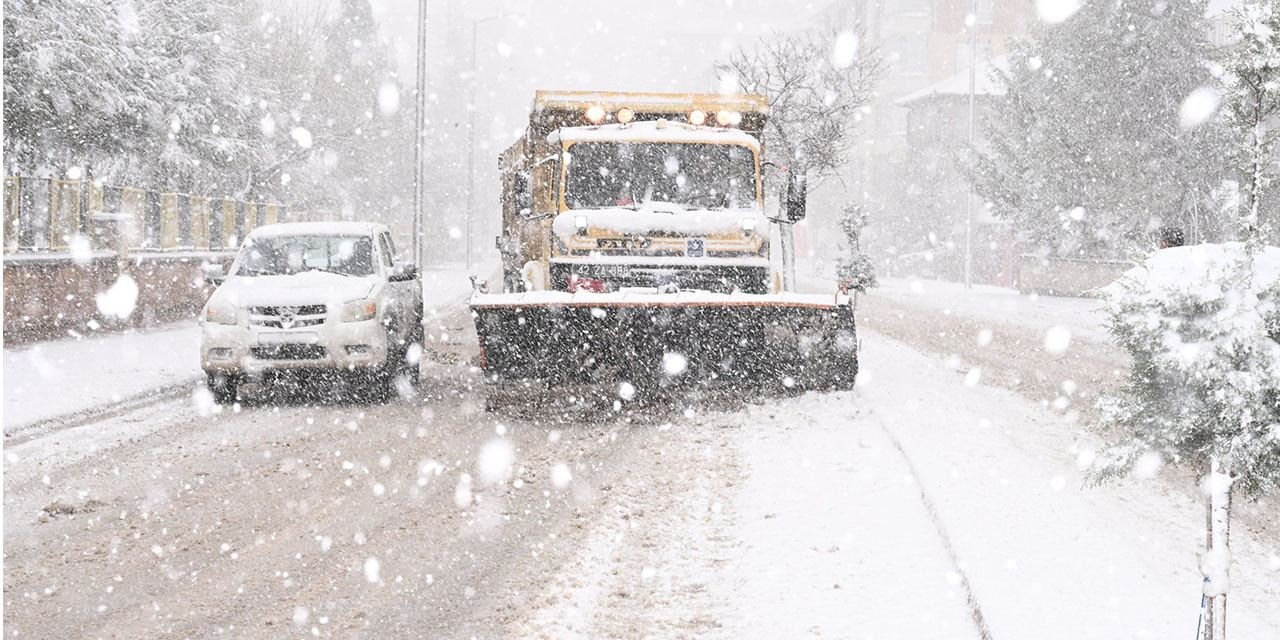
60	378
47	380
1081	316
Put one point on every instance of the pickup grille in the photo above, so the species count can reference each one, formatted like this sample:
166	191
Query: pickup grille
289	352
281	317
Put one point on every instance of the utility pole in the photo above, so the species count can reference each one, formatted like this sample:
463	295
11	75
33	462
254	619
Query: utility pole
471	130
419	112
968	196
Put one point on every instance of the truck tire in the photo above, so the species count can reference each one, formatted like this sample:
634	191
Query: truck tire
225	387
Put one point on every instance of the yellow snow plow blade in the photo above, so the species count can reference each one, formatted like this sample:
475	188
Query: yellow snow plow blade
801	339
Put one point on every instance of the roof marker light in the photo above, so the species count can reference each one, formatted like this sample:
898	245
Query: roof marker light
626	115
697	117
595	114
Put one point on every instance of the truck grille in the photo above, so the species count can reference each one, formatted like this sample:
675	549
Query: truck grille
289	352
307	315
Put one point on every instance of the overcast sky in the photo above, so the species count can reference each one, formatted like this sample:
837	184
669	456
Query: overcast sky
608	43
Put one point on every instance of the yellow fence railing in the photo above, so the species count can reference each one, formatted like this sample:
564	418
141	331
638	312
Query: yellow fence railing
45	214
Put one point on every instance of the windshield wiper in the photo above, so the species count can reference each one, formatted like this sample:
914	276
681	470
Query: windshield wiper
329	270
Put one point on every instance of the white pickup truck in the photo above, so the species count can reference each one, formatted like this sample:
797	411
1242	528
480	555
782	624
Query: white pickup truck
310	297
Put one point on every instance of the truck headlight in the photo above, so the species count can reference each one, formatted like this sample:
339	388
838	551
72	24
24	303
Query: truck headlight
359	310
580	223
221	314
748	225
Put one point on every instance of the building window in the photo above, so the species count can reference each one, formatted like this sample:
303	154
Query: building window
910	54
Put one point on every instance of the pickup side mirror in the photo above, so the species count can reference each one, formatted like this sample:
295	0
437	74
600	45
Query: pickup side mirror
403	272
213	274
797	188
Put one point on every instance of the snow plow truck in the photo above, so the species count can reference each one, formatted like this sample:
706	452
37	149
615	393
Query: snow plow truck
636	250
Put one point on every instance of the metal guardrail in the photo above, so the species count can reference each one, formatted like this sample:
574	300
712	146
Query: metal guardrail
45	214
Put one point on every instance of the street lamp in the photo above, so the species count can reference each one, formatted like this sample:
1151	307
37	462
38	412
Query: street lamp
419	107
968	199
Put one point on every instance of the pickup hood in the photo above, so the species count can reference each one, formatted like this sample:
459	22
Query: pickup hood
309	287
660	218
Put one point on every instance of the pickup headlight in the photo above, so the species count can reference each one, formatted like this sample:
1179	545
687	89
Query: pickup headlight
359	310
221	314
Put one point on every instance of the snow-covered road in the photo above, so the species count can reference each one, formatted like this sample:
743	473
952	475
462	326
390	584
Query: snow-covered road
928	503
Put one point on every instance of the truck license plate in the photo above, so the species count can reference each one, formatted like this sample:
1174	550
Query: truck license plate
606	271
624	243
289	337
697	248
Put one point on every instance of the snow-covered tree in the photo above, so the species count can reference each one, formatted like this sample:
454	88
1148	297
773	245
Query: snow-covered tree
854	268
207	133
1252	102
331	144
75	90
221	97
1202	325
1088	153
816	85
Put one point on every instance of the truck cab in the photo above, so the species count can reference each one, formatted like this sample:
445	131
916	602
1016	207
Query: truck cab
608	192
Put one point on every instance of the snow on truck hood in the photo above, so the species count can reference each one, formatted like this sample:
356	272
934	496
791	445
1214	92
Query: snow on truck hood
308	287
654	131
660	217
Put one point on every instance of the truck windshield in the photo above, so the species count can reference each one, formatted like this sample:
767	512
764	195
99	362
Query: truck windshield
627	174
287	255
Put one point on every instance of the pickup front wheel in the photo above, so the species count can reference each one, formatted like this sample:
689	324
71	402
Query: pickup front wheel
225	387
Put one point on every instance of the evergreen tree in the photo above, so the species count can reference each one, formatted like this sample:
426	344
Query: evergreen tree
75	87
206	134
1253	103
1086	153
1202	324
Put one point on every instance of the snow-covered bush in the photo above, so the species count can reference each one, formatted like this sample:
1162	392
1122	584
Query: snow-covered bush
1202	324
854	268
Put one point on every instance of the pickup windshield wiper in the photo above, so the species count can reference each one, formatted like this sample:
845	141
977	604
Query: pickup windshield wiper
329	270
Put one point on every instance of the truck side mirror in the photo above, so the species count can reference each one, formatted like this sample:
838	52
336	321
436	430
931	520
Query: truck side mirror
797	187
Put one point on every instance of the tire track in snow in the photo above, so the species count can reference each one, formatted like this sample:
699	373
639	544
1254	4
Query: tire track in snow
971	600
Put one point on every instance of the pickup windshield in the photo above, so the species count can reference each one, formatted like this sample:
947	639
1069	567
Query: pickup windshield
287	255
630	174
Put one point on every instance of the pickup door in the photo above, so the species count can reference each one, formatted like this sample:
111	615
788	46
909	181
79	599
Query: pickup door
402	297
